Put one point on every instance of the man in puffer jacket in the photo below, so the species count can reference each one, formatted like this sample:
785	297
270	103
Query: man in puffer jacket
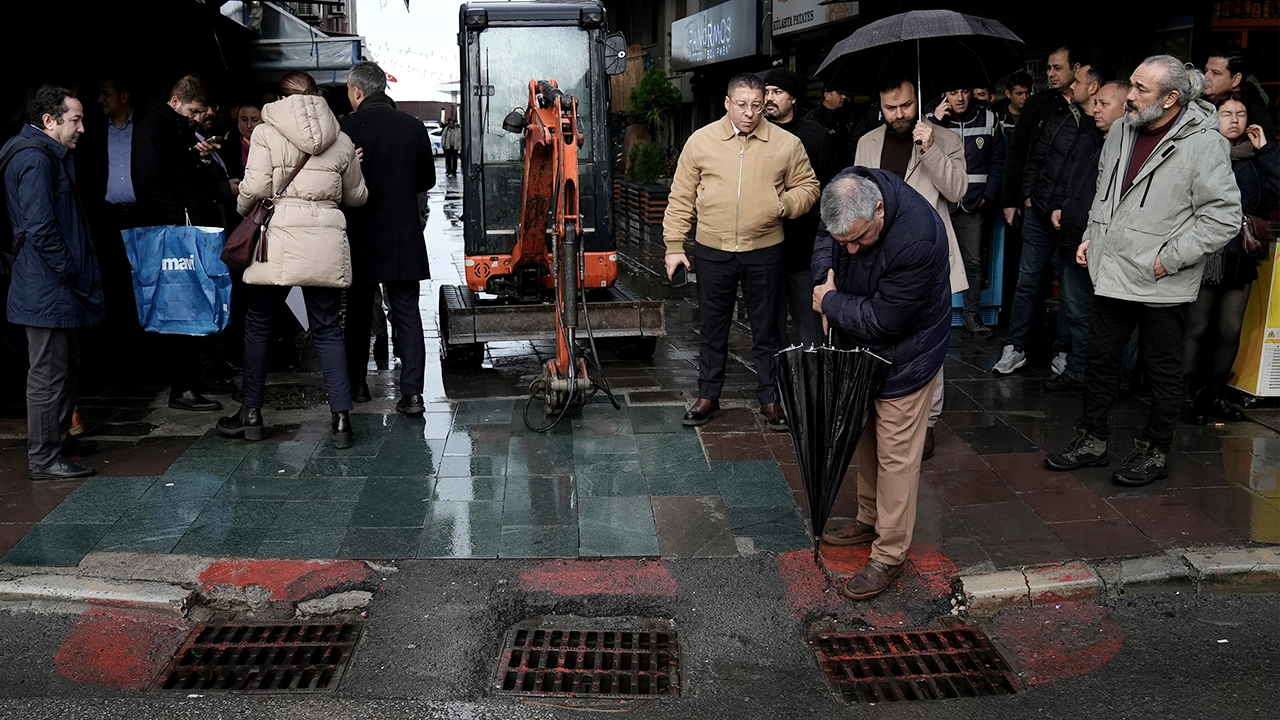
1166	198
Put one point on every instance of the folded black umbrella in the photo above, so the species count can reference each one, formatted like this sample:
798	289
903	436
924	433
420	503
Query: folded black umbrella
948	48
827	394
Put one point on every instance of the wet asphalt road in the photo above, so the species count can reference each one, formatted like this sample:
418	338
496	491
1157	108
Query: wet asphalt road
435	628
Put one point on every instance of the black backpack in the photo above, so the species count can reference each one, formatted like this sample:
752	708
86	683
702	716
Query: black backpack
10	239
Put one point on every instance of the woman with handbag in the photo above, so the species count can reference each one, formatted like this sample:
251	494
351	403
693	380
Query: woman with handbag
1214	320
301	166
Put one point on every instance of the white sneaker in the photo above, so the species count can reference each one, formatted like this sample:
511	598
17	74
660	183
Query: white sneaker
1010	360
1059	364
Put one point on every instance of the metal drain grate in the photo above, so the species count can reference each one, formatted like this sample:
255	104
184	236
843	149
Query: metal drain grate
262	657
590	661
898	666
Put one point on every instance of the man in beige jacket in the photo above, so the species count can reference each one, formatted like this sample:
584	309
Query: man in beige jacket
738	177
931	160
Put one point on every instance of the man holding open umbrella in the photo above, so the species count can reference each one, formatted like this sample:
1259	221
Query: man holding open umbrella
882	275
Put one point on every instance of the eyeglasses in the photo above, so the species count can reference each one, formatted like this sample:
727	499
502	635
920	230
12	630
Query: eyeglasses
755	106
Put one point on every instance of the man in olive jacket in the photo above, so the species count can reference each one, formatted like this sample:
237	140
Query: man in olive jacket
1166	198
739	177
387	242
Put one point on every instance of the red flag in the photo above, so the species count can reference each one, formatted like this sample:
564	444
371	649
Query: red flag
391	78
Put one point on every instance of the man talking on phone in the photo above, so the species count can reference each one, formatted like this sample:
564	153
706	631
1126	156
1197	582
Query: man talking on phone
739	177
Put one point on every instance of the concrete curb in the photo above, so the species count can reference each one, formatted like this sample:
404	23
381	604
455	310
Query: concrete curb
138	594
1199	570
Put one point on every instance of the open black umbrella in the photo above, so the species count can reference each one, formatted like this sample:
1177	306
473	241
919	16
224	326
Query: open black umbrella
827	394
952	48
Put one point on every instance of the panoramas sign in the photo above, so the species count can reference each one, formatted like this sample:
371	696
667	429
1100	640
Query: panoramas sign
721	33
790	16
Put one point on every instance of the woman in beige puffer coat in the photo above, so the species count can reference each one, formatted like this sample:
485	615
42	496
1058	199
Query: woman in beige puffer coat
306	243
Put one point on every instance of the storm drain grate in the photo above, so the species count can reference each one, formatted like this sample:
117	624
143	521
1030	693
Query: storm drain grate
262	657
899	666
590	662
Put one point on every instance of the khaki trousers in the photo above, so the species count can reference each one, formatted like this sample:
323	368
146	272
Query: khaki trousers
888	458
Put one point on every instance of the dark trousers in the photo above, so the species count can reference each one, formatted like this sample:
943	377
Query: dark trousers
1110	329
1039	248
759	272
406	321
1075	309
968	227
324	307
54	355
1214	322
797	300
450	162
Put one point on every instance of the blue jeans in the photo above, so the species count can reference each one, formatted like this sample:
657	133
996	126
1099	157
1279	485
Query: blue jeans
1076	308
1039	246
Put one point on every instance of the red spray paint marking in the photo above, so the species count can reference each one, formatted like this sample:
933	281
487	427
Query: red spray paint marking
600	577
119	648
1056	642
288	580
928	577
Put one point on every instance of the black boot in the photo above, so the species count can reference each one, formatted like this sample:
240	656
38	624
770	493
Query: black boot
246	423
343	436
1191	414
1215	401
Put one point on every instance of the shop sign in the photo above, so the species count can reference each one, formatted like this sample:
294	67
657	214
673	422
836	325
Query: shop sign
724	32
791	16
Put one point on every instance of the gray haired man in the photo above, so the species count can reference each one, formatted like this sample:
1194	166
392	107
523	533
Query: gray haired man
1166	198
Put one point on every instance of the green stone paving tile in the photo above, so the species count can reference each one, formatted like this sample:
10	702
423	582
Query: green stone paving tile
213	445
154	533
376	424
276	459
543	541
301	543
337	467
342	489
408	458
226	512
671	454
658	419
478	440
476	466
540	501
160	509
771	527
221	540
216	465
393	502
485	411
693	527
56	545
432	425
313	514
380	543
100	500
609	476
186	484
602	421
589	447
540	455
468	489
782	543
261	488
616	527
752	482
367	444
462	530
703	483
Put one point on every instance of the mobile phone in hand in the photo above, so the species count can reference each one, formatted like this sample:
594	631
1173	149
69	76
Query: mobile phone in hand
680	277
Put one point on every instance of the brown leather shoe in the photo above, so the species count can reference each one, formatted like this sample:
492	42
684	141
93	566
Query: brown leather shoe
702	411
776	419
874	578
854	533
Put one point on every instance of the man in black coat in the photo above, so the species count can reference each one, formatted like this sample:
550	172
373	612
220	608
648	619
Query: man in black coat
174	184
783	90
387	242
55	285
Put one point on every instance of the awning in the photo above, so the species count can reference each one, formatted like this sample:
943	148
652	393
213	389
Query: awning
285	44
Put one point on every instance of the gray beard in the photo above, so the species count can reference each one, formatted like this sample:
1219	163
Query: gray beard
1144	118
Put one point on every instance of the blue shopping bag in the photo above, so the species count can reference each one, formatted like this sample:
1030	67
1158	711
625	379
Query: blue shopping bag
180	283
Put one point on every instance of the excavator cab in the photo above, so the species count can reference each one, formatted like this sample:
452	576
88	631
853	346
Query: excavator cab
511	292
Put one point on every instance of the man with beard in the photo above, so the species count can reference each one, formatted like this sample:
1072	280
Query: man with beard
984	158
931	160
1166	198
782	92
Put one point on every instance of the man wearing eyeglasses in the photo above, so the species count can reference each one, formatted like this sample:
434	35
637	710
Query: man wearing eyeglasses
739	178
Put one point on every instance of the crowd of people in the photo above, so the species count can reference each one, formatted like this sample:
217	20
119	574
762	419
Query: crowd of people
1135	191
345	219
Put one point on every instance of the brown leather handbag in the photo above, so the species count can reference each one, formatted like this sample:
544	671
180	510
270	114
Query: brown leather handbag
1255	237
248	242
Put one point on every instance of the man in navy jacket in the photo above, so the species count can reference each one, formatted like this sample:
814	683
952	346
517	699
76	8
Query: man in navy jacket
55	286
888	289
